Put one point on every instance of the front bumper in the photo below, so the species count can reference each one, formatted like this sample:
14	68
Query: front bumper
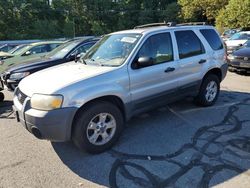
10	84
1	85
54	125
224	69
240	65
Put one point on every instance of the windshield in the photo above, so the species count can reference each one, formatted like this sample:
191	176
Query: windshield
22	50
63	50
112	50
240	36
13	50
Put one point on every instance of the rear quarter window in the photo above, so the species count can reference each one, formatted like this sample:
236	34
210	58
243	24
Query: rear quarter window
212	38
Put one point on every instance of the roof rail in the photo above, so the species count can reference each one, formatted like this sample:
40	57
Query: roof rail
169	24
192	23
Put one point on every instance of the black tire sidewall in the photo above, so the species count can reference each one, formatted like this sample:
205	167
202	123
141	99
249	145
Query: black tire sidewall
84	117
202	94
1	97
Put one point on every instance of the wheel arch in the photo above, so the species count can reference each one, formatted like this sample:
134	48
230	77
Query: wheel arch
214	71
117	101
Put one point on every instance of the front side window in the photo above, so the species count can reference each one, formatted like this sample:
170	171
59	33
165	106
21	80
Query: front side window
84	48
188	44
112	50
247	44
159	47
39	49
53	46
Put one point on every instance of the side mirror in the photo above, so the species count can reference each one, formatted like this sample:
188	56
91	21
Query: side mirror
78	56
27	53
144	62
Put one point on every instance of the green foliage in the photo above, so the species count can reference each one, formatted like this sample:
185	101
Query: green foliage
235	15
28	19
205	10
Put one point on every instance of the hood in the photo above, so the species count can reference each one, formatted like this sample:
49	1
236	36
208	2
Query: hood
51	80
32	64
9	64
6	54
243	52
234	43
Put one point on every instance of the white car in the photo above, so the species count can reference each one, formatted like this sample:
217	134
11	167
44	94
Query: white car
237	40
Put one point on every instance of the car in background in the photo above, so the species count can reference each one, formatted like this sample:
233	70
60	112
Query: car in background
28	52
239	60
1	94
7	47
9	54
228	33
69	51
237	41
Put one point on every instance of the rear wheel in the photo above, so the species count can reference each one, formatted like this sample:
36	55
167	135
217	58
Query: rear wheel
209	91
1	97
97	127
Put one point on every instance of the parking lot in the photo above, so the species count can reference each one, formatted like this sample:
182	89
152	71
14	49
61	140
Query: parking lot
179	145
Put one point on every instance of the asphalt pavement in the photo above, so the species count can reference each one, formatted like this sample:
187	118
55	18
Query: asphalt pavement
178	145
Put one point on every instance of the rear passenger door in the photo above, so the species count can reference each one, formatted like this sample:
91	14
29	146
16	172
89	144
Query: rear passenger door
192	58
152	84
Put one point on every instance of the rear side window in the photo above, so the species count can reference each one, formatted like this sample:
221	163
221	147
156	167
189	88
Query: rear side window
188	44
212	38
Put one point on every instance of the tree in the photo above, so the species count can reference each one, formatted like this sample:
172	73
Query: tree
205	10
235	15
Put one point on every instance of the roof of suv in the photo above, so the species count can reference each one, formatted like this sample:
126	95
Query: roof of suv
160	28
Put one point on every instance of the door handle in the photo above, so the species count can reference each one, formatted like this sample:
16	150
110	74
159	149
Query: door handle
170	69
202	61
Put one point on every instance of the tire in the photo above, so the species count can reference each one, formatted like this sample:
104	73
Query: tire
202	98
87	122
1	97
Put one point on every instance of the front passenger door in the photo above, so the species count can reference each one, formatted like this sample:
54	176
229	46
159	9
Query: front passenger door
152	84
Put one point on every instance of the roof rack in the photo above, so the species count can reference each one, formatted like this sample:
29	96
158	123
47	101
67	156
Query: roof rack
192	23
169	24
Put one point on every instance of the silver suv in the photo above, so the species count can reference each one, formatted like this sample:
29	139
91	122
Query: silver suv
124	74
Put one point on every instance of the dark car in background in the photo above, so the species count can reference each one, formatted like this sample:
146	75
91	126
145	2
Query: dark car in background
239	60
68	51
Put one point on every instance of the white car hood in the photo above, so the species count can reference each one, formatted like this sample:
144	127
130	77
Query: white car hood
232	43
51	80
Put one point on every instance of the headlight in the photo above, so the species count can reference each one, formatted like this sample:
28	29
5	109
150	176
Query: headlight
46	102
230	57
18	76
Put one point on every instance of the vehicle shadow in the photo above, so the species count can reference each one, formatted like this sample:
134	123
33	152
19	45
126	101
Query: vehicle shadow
179	145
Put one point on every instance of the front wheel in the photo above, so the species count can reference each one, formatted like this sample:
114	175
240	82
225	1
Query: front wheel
209	91
97	127
1	97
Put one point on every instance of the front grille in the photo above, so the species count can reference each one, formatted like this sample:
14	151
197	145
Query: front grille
20	96
242	58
